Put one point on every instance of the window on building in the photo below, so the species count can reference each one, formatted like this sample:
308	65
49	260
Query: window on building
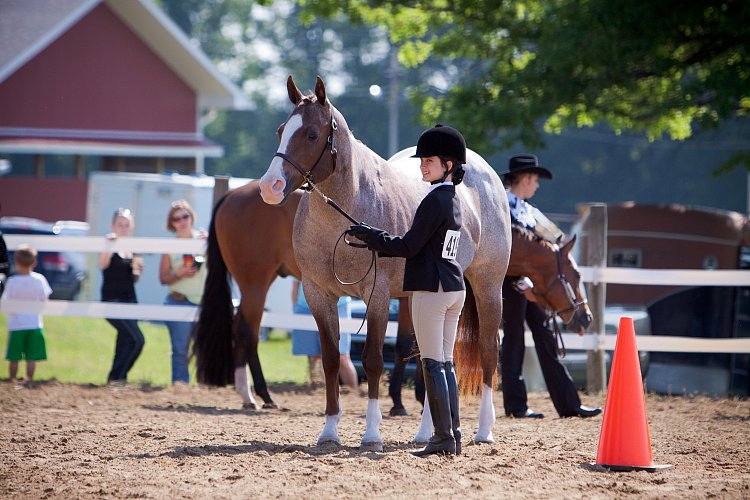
625	257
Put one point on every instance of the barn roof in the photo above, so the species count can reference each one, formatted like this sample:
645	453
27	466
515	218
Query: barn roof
29	26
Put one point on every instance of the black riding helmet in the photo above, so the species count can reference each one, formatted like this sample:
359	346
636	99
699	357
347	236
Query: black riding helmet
442	140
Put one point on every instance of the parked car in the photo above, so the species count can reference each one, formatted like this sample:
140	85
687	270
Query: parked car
63	270
575	360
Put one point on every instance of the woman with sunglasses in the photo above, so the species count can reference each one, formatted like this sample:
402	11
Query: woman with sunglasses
185	276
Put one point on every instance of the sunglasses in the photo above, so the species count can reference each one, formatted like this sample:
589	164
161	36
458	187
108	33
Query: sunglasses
180	217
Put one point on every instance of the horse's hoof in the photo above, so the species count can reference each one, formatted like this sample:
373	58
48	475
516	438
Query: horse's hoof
371	446
328	440
486	440
270	406
398	411
249	406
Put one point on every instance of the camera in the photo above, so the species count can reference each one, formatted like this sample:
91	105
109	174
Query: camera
196	261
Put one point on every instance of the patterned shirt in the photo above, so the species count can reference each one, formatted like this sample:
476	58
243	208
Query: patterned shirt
520	211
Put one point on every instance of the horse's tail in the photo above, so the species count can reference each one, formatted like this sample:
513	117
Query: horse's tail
467	356
212	335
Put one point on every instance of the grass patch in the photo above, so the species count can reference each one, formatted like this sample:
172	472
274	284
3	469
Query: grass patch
80	351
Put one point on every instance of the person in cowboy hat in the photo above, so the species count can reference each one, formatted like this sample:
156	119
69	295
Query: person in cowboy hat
435	277
522	181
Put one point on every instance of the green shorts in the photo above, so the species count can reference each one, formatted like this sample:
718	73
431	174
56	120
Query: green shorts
26	344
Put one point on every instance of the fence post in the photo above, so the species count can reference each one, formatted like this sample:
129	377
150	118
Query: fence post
221	186
595	227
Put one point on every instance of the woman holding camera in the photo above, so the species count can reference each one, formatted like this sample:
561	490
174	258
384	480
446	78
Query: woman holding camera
185	275
120	272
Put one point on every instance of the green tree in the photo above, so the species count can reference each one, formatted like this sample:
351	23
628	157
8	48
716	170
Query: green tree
257	44
666	69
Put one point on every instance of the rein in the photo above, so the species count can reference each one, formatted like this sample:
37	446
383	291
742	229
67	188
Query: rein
574	304
307	175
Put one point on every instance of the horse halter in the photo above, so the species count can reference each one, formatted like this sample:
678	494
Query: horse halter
330	143
574	303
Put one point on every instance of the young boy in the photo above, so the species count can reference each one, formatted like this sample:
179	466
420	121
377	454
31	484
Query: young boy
26	338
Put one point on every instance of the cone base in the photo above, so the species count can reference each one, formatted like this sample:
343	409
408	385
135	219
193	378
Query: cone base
629	468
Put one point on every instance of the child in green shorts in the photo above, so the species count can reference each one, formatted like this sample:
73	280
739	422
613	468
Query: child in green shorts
26	338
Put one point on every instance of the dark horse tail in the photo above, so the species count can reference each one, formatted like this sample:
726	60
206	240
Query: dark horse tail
467	354
212	335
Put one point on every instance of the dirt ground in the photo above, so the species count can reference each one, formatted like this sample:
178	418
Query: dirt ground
69	441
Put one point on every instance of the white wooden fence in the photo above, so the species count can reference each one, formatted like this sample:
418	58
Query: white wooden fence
593	341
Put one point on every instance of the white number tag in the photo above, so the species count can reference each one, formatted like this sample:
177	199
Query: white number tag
450	245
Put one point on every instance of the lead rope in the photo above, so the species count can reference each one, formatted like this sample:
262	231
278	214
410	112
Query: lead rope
559	343
373	260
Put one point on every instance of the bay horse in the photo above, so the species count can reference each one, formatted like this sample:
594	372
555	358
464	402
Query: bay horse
317	147
554	272
252	241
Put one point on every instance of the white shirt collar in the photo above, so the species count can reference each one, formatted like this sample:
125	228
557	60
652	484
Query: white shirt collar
446	183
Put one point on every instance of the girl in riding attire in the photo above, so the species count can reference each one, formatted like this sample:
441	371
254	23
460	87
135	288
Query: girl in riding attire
522	181
434	276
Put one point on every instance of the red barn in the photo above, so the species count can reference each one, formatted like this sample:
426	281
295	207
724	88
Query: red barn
97	85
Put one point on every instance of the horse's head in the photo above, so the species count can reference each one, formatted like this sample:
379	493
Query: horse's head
556	278
307	147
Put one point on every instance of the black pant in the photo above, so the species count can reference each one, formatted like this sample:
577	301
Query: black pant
516	311
128	346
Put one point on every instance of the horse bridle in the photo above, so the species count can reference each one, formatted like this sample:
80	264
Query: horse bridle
330	143
574	303
307	175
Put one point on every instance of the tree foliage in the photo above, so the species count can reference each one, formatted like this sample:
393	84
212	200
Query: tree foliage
667	69
257	44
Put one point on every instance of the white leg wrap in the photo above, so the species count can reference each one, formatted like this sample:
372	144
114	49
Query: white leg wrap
372	439
242	387
486	417
330	431
426	429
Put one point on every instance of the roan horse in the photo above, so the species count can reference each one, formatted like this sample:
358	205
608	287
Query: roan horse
316	146
224	342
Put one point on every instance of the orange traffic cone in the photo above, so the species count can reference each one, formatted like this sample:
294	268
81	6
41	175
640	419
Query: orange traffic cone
624	442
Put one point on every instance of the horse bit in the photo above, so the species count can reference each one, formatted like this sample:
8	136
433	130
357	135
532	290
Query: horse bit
574	304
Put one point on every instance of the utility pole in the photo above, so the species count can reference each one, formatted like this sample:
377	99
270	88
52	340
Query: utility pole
393	99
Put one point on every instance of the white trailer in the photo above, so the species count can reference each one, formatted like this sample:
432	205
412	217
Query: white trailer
149	197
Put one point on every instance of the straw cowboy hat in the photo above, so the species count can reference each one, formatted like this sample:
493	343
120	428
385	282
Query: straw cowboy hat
521	164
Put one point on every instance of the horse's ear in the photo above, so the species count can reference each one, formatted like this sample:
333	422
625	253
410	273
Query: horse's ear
320	91
568	245
294	93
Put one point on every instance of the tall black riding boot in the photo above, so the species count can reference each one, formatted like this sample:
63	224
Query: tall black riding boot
436	389
419	383
450	378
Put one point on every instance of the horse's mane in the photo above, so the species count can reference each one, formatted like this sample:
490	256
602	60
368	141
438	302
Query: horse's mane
530	236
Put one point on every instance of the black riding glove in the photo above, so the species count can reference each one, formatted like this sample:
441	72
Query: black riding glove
363	232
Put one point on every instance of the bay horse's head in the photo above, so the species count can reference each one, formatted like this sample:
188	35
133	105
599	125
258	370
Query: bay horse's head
307	147
555	274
